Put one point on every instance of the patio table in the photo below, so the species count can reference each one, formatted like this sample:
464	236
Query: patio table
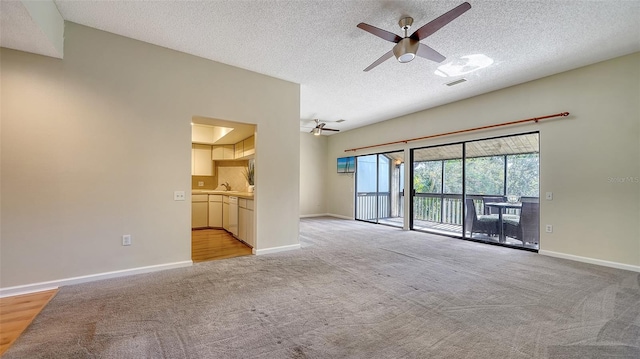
501	206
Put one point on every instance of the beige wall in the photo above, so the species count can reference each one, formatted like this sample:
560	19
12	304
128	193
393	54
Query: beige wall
313	173
595	214
94	145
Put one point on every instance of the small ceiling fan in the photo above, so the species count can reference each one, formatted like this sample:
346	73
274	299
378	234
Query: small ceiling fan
320	127
408	47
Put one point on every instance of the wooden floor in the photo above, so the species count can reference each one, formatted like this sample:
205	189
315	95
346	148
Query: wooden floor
16	313
210	244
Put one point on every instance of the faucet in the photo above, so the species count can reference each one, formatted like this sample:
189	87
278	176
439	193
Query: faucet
226	185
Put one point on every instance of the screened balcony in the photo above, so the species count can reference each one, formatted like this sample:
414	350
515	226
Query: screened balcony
494	170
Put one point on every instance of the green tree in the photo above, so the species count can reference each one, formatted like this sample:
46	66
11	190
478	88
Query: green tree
485	175
523	174
427	176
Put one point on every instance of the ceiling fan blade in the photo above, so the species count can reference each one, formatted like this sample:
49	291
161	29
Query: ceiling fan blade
429	53
431	27
383	34
382	59
330	129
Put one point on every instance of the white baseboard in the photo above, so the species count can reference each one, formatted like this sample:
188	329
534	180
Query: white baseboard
324	215
277	249
313	215
339	216
54	284
599	262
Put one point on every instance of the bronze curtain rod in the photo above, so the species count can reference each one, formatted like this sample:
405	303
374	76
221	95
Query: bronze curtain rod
534	119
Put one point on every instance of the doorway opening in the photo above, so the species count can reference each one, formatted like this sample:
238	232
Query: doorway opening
222	183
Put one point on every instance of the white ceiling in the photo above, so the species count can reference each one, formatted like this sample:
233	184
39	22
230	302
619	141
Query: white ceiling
317	44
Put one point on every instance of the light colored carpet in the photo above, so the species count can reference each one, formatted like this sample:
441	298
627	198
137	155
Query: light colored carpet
354	290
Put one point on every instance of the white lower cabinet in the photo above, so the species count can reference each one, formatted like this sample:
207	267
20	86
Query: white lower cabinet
245	221
199	211
215	211
225	212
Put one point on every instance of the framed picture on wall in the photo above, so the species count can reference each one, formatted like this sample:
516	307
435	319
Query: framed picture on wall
346	164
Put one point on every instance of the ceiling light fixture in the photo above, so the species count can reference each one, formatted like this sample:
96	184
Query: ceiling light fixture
464	65
317	131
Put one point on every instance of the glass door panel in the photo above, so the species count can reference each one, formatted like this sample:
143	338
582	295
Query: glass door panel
367	188
384	188
390	188
378	186
502	185
437	189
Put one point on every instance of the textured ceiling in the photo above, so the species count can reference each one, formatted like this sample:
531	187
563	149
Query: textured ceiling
19	31
317	44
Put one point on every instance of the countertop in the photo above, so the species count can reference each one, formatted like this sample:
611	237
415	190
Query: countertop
246	195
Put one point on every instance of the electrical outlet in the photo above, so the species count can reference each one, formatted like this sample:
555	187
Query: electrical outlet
549	196
549	228
178	196
126	239
200	183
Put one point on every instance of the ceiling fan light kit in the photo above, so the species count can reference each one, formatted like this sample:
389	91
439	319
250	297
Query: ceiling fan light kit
317	131
408	47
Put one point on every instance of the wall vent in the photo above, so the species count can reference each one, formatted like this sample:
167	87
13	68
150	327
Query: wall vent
456	82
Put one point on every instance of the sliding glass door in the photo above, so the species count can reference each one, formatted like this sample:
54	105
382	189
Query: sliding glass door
379	187
502	180
437	189
485	190
367	188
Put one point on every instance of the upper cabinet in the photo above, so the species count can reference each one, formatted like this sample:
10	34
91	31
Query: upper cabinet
201	162
245	148
240	150
249	146
226	140
222	152
239	147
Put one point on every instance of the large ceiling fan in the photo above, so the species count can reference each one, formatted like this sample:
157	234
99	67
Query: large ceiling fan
408	47
320	127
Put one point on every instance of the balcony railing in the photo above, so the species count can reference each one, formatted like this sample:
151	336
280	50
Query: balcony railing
367	203
439	208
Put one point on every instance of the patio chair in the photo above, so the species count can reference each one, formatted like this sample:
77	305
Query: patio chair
491	210
484	223
526	227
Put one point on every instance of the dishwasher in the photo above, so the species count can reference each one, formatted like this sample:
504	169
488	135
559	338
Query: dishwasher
233	215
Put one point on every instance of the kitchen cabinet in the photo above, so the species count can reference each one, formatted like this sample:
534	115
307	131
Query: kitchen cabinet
215	211
233	215
246	147
201	162
223	152
199	211
239	150
249	146
246	231
225	212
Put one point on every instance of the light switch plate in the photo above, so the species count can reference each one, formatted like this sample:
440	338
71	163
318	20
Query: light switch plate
126	239
178	196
